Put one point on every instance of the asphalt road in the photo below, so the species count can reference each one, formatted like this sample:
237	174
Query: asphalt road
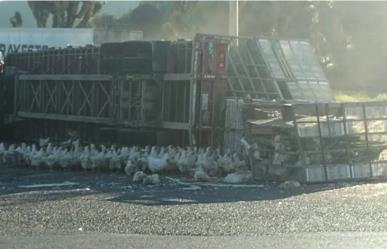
102	241
63	209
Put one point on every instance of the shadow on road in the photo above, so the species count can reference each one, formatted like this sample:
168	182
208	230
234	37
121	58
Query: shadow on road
122	191
205	195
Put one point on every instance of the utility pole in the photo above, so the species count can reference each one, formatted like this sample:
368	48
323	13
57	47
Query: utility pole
233	20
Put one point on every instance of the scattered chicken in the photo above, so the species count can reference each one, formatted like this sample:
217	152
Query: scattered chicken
238	177
130	168
139	176
86	163
2	153
36	157
52	157
186	161
153	179
114	162
201	175
226	163
10	156
156	163
201	164
238	163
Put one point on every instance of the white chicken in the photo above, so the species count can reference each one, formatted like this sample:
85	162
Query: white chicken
130	168
226	163
114	161
207	160
201	164
36	157
98	159
124	155
20	154
174	155
134	153
153	153
139	176
151	179
86	163
200	174
51	160
10	156
238	163
66	159
238	177
186	161
157	164
2	153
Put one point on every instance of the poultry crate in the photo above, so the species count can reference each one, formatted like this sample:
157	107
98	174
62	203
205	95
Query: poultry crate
343	141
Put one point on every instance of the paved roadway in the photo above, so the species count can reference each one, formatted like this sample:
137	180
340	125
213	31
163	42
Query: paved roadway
72	209
102	241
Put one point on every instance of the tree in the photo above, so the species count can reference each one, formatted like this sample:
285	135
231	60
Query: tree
145	17
16	20
64	13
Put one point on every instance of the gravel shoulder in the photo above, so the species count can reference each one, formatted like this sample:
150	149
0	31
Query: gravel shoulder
31	204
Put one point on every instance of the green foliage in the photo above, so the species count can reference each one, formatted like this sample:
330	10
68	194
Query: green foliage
356	96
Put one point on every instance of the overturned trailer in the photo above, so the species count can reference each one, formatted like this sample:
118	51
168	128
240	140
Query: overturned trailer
173	87
211	91
130	92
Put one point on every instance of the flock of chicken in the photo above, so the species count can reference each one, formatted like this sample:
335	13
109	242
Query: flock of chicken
143	164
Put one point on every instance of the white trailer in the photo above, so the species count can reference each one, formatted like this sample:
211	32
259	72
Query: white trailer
33	39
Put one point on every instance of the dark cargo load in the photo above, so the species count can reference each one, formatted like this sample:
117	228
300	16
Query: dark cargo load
160	55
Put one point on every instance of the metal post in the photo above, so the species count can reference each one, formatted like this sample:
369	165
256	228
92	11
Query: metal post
327	119
301	150
193	93
233	28
321	142
347	148
366	134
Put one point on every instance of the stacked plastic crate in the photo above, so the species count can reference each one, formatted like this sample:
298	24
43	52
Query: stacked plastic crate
233	124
